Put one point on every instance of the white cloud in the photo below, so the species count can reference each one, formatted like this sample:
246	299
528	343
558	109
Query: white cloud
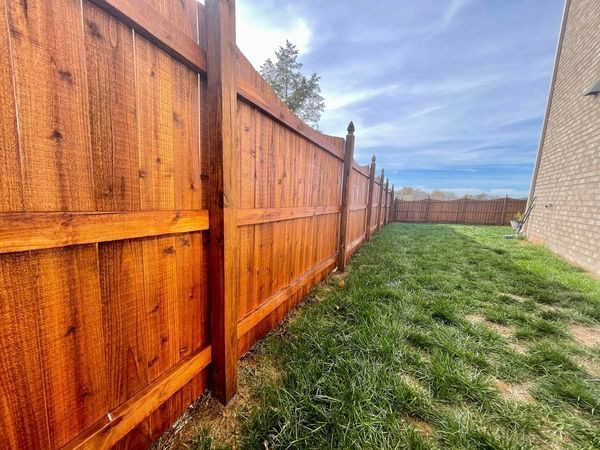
425	111
338	99
454	10
450	14
258	35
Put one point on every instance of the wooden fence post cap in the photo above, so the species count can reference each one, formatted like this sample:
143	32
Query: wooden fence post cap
351	128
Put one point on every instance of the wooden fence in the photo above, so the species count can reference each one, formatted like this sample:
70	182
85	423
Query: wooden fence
160	211
487	212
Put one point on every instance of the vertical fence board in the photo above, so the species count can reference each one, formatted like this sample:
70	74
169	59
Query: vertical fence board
49	71
112	102
24	420
11	197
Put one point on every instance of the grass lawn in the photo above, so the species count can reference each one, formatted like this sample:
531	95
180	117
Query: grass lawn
440	336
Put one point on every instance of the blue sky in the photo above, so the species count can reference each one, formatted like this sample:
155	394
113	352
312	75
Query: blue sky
449	94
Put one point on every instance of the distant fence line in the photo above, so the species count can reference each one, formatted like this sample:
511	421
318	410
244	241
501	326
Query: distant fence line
468	211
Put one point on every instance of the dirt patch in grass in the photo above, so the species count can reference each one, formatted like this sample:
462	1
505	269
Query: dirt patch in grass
586	336
591	367
502	330
519	347
206	417
210	418
518	298
516	392
550	308
413	383
425	428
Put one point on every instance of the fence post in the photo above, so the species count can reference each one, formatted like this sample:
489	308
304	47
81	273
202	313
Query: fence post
464	208
503	215
370	199
385	194
392	205
346	177
223	192
379	205
427	209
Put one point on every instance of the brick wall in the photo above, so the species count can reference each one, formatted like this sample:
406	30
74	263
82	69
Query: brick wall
566	216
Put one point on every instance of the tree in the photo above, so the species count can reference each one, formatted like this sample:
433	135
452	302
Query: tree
301	94
443	195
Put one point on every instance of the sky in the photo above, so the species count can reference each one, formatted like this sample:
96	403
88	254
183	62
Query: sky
448	94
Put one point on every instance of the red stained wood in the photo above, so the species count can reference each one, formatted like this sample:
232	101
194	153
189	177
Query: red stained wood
469	211
160	210
35	231
164	32
223	197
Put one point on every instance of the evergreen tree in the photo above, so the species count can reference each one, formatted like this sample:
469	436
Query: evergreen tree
301	94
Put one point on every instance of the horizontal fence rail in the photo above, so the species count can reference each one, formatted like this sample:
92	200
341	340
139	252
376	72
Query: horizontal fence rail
160	211
468	211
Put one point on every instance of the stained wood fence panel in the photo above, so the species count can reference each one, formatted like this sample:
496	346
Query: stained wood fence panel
359	203
286	174
375	208
467	211
108	122
108	204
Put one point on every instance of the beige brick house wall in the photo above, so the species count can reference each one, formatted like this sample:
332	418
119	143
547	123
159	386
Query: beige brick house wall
566	186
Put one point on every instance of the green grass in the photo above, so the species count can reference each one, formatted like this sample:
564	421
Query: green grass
412	352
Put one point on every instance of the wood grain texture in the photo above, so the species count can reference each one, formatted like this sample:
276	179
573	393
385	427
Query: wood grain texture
273	302
71	339
120	421
155	314
172	29
289	223
112	102
182	14
155	98
23	421
224	191
255	216
34	231
11	195
49	71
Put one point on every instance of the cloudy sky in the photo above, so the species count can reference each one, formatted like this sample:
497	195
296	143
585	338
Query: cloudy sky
449	94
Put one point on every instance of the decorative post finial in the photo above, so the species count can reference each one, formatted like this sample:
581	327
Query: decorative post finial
373	159
351	128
